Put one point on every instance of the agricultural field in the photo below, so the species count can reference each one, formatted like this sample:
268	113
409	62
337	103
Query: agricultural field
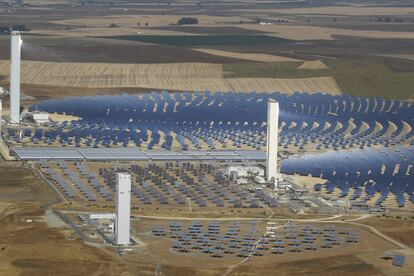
369	77
237	35
180	76
246	56
204	40
345	10
104	50
301	33
313	65
154	20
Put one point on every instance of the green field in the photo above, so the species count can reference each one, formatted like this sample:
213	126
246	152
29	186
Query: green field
204	40
357	77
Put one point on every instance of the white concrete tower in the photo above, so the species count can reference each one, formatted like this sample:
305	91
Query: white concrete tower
123	208
16	43
272	140
1	115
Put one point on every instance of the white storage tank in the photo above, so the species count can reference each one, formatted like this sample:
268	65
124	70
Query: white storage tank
259	180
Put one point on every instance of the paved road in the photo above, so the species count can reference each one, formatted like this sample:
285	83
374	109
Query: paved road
241	218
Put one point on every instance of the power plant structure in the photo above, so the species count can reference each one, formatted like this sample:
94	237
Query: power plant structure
1	115
123	209
272	141
15	58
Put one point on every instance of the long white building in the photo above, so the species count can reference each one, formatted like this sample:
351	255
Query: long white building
272	140
16	43
123	209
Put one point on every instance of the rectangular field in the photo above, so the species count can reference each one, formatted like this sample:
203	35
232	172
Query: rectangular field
173	76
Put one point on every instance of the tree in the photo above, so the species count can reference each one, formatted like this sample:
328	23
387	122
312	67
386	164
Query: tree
20	28
4	30
113	25
187	21
146	23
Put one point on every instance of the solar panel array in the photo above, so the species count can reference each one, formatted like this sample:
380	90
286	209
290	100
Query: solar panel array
399	260
361	175
125	154
173	184
221	120
370	136
236	239
84	182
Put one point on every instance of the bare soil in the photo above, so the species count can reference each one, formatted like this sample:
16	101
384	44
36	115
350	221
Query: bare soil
399	229
19	184
31	248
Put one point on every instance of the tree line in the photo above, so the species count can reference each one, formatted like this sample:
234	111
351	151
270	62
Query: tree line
7	29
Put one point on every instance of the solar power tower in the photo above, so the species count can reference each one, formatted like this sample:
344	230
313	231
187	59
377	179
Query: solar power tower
272	140
123	208
16	43
1	113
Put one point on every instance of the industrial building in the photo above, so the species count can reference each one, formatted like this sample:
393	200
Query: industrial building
102	216
123	209
242	174
39	118
244	171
